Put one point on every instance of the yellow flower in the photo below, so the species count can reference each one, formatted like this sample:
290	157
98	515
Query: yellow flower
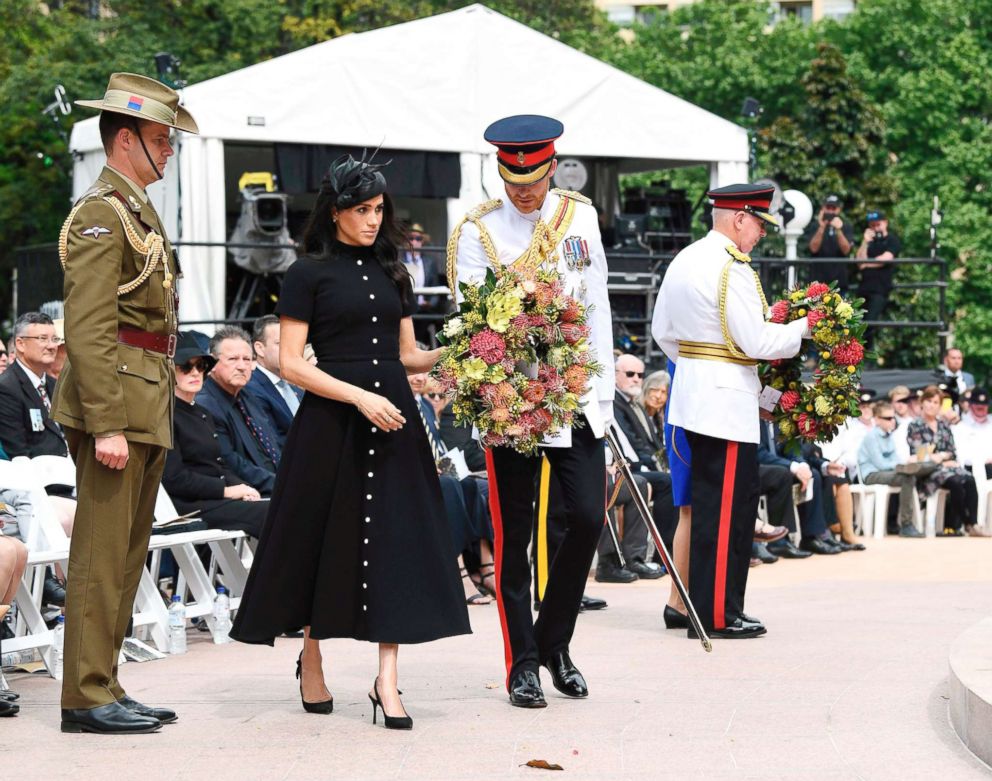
474	369
851	369
503	307
826	298
801	313
809	407
844	310
822	406
496	374
797	295
825	354
787	427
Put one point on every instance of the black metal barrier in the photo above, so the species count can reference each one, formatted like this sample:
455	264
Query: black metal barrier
634	280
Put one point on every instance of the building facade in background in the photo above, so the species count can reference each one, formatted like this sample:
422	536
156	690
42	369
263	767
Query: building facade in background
625	13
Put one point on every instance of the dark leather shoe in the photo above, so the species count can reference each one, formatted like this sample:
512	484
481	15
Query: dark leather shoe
112	719
909	530
52	593
738	630
816	545
674	619
750	619
8	695
526	691
610	574
645	571
8	708
163	715
565	676
785	549
760	551
772	534
591	603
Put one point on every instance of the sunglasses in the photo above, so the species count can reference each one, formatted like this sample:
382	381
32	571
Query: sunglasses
415	237
435	396
634	374
197	365
3	353
886	417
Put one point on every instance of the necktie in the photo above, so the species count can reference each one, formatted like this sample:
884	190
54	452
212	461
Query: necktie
259	435
292	400
44	397
437	448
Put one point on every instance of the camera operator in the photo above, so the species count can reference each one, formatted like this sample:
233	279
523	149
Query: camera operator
830	236
878	245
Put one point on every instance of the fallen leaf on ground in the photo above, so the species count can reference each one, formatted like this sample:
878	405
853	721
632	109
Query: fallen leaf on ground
543	764
492	685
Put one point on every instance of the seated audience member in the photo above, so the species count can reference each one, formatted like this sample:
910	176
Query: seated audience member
878	458
853	431
466	502
249	446
646	441
13	562
973	434
900	397
276	398
4	358
930	438
815	536
953	373
61	355
424	272
838	504
653	398
775	481
195	476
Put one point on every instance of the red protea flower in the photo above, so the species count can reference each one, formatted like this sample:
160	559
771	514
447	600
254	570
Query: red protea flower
849	353
544	295
572	311
814	317
807	426
779	312
541	419
552	381
789	400
576	378
488	392
505	393
817	289
534	392
489	346
499	414
521	322
573	333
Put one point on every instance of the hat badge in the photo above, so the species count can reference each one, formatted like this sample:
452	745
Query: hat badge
520	158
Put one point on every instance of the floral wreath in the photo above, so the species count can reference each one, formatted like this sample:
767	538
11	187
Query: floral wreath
814	411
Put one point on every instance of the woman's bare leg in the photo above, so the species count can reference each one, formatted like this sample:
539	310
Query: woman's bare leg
387	681
680	554
312	669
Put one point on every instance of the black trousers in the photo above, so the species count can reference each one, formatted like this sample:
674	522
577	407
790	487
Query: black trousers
725	489
776	484
581	470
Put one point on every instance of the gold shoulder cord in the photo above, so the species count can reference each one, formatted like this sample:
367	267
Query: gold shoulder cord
152	247
736	256
475	217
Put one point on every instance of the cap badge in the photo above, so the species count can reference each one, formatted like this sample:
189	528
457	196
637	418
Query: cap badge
521	158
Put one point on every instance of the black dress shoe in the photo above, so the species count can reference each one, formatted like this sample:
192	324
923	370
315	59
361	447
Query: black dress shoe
760	551
592	603
750	619
112	719
674	619
645	571
785	549
565	676
52	593
738	630
8	695
816	545
163	715
8	708
526	691
909	530
610	574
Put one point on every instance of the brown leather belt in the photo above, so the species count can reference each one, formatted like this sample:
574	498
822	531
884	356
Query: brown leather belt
157	343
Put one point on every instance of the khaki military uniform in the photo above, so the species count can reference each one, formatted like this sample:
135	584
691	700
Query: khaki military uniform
120	325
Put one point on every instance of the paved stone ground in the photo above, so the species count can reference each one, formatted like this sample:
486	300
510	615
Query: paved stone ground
849	683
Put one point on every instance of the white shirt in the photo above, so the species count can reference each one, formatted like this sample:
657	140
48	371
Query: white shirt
282	387
973	440
511	233
712	397
35	379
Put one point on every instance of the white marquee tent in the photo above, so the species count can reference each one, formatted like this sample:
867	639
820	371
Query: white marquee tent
427	85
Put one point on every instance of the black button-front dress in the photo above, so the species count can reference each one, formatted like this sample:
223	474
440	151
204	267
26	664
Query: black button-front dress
356	543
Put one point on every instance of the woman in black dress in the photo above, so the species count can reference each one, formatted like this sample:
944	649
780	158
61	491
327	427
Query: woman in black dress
356	542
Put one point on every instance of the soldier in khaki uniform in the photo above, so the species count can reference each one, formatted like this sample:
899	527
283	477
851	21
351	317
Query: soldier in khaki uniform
115	394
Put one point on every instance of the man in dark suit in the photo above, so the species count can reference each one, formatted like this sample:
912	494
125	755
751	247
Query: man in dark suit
424	272
640	431
26	392
276	398
249	445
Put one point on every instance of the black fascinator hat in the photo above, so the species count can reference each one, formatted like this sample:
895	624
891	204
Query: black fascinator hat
353	181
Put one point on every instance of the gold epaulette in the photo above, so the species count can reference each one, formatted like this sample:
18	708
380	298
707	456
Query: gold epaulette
573	195
474	215
737	255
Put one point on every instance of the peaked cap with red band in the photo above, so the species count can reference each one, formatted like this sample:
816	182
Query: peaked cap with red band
525	146
751	198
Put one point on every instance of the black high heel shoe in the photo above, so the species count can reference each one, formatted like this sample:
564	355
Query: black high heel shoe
674	619
324	706
391	722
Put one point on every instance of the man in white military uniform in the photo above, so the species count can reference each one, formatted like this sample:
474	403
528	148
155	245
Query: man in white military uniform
710	319
539	225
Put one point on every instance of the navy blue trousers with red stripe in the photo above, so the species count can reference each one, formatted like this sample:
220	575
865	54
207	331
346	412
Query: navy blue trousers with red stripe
581	470
725	490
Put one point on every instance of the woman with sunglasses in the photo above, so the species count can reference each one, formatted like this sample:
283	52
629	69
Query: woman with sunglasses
356	543
195	477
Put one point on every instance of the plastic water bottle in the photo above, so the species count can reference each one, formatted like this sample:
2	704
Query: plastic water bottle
177	625
58	648
222	616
